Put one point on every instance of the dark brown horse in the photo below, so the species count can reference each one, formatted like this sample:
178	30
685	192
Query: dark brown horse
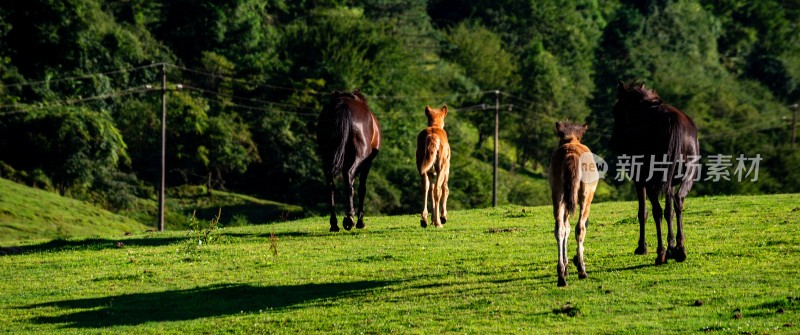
663	139
348	139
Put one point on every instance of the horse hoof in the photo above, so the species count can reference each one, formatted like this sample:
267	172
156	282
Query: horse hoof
438	225
347	223
443	219
641	250
679	254
423	223
583	276
334	229
577	262
661	258
562	282
360	225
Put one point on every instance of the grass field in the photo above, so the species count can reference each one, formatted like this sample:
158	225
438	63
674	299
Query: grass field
489	271
30	213
26	213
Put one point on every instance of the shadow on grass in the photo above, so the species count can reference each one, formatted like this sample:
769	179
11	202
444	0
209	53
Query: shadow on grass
203	302
779	306
255	214
628	268
278	234
86	244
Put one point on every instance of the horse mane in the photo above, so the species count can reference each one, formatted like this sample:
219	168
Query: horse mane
567	128
638	91
355	95
566	131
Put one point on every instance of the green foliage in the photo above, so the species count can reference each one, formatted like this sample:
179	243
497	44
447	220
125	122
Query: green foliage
256	73
200	235
70	145
480	54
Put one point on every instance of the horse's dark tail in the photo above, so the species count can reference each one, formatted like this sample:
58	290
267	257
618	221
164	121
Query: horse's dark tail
572	182
674	150
342	120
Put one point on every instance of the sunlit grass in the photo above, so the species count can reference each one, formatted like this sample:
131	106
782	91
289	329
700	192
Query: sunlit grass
487	271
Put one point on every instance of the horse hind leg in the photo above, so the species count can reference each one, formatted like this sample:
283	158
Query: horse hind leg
580	235
658	214
425	185
668	216
348	177
362	190
679	252
333	221
641	249
437	202
445	175
561	233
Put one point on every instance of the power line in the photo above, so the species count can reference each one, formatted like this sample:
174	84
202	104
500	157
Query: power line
267	110
243	81
61	103
243	98
516	97
87	76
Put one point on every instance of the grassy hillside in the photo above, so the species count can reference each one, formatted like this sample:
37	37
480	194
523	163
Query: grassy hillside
27	212
237	209
488	271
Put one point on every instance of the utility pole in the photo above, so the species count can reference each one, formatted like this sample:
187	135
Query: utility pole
496	138
163	146
794	123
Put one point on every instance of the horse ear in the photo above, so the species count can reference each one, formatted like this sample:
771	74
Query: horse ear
641	85
444	109
427	110
558	126
621	88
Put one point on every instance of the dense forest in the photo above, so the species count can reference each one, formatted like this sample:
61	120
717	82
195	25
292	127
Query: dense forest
80	90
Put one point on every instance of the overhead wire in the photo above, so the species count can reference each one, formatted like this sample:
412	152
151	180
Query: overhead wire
22	108
480	107
205	91
86	76
222	76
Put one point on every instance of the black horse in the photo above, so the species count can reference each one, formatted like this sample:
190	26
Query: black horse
664	140
348	139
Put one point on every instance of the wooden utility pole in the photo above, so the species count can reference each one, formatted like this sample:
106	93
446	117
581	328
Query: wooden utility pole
794	124
496	138
163	147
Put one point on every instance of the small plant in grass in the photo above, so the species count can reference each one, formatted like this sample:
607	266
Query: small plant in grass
200	235
273	244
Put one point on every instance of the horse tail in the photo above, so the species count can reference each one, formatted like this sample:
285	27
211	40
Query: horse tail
429	154
343	119
674	149
571	177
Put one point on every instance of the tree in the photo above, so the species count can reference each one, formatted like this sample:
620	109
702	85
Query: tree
69	144
481	55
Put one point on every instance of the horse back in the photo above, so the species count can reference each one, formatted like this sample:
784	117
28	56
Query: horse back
433	147
368	129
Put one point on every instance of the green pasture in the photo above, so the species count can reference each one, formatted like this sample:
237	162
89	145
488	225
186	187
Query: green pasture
27	212
489	271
